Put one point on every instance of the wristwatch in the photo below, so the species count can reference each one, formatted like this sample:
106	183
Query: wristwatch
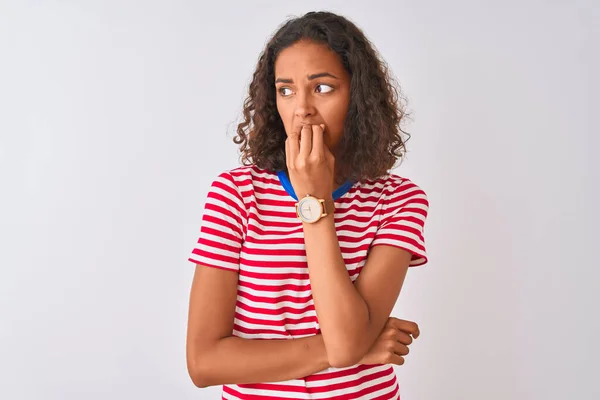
310	209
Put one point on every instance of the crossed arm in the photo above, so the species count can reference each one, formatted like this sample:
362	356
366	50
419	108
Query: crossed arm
351	317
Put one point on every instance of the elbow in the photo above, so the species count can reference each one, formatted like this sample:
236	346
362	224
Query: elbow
344	356
200	373
345	350
199	380
343	361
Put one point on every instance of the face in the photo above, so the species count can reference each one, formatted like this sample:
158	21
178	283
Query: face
312	87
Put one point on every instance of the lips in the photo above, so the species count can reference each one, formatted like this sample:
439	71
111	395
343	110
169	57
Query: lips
299	128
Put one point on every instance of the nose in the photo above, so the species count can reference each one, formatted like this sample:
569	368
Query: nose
304	107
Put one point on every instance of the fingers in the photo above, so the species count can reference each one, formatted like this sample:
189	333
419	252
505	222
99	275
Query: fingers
317	141
292	148
400	349
405	326
306	134
403	337
395	359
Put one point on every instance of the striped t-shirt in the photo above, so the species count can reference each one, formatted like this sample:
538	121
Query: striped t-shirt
249	225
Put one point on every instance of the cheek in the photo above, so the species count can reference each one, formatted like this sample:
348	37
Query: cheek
284	114
337	117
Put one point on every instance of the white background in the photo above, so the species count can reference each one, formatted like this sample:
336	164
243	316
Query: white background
115	117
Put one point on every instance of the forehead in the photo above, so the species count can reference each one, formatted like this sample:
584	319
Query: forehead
306	58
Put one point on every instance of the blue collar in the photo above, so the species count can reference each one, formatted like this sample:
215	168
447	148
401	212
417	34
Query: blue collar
287	185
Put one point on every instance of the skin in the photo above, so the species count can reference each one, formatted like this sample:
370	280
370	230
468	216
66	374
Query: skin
351	315
313	90
354	318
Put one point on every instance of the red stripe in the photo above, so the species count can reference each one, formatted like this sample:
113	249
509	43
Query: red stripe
233	392
220	234
354	383
278	311
274	288
274	300
291	263
260	331
219	201
214	256
283	333
390	205
279	323
218	221
340	374
365	391
211	266
389	396
275	387
205	243
398	238
287	275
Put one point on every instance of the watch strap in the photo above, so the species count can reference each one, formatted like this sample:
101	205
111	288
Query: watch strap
328	207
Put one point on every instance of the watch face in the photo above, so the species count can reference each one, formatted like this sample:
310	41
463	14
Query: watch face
309	209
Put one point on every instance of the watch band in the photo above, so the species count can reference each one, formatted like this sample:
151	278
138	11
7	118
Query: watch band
328	207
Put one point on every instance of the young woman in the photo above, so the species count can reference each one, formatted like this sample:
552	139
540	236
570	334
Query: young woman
303	250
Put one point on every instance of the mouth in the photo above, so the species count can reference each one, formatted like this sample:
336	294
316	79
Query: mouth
299	128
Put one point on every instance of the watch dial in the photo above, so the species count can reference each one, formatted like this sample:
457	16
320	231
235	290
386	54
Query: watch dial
309	209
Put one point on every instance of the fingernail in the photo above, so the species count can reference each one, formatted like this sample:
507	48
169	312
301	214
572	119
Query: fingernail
322	126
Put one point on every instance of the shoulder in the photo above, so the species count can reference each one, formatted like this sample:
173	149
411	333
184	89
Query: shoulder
396	191
395	183
391	185
244	179
240	175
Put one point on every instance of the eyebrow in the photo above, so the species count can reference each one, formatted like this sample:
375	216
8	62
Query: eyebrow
310	77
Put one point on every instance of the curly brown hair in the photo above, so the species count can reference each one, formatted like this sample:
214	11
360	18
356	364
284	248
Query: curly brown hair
373	140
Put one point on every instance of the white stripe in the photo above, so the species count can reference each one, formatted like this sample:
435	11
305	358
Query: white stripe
212	262
275	306
217	251
353	389
276	394
275	283
384	200
277	318
276	293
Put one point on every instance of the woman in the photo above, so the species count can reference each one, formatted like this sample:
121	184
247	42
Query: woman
304	249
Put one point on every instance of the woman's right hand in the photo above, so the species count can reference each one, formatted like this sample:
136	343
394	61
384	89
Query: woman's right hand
392	344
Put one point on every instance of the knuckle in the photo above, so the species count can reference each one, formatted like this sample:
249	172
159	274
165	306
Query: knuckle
315	158
300	164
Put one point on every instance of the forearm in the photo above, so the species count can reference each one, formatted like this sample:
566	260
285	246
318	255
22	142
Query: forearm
234	360
343	314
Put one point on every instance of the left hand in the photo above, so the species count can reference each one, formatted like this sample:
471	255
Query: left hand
391	346
310	163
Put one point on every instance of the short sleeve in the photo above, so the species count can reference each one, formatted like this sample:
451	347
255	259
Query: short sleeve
403	220
222	229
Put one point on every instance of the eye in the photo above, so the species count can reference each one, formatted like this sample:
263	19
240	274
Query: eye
282	91
324	88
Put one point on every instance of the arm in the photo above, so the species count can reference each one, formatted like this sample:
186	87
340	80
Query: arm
214	357
351	316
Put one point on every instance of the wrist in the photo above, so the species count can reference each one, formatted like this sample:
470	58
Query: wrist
311	209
